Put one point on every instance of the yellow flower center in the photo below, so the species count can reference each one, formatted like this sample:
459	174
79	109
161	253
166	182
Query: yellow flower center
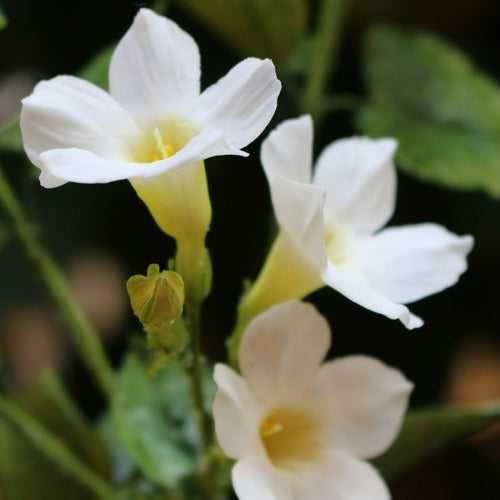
337	244
162	142
289	437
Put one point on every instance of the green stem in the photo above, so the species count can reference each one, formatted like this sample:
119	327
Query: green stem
193	313
332	15
207	469
54	449
86	338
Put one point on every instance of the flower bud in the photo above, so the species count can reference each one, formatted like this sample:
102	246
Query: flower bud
158	298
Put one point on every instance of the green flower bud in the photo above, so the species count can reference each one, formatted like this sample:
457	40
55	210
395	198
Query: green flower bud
158	298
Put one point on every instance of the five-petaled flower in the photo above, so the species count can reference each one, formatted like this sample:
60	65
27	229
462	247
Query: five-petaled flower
154	127
299	429
330	228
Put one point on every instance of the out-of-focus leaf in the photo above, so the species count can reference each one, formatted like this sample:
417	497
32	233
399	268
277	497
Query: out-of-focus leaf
443	111
10	137
258	27
95	71
3	20
428	432
26	474
152	420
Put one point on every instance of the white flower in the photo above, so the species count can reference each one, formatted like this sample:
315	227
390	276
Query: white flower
154	127
299	429
331	228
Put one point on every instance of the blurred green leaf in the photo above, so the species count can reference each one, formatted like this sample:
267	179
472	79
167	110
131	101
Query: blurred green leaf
427	432
152	420
26	474
444	112
3	20
95	71
258	28
10	137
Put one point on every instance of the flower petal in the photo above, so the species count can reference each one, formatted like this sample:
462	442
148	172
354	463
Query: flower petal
76	165
287	151
235	414
366	401
67	112
281	350
360	178
411	262
155	69
353	285
255	479
179	201
299	210
240	104
339	476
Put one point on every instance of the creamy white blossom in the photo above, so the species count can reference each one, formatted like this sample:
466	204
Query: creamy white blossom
331	228
300	429
153	127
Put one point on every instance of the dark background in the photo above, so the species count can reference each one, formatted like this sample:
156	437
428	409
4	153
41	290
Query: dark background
454	358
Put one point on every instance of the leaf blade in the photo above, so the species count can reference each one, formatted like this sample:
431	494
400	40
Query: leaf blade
426	432
441	108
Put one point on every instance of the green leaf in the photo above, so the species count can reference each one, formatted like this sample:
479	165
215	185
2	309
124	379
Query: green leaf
95	71
259	27
3	20
443	111
152	420
426	432
10	137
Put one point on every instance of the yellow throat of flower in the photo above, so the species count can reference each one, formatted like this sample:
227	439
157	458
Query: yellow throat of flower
162	141
289	437
337	244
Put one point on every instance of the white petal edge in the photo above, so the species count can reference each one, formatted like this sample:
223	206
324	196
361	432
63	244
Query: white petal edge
287	150
76	165
408	263
235	413
339	476
360	178
67	112
366	402
299	210
255	479
281	351
241	103
354	286
155	69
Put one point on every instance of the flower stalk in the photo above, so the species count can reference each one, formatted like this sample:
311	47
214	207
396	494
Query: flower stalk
54	449
332	15
86	338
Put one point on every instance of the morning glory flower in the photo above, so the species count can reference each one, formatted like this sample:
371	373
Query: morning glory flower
332	228
153	127
300	429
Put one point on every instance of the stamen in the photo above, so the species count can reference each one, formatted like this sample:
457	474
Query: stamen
160	145
271	430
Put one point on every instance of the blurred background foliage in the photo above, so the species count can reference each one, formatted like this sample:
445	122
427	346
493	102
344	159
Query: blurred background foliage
426	73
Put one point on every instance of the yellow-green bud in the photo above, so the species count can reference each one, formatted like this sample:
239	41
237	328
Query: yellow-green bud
157	298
